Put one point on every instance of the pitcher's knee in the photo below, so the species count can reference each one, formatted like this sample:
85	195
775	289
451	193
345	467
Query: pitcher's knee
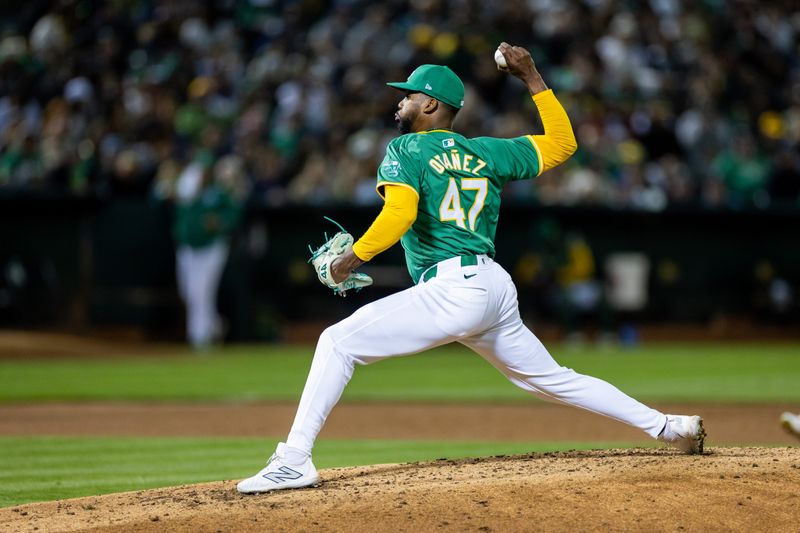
326	341
330	342
341	342
334	334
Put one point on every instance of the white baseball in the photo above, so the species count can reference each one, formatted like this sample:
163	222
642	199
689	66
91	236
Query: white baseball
500	59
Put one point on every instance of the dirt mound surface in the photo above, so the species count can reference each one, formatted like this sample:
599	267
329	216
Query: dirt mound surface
741	489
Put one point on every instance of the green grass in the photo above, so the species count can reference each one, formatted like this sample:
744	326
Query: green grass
49	468
679	372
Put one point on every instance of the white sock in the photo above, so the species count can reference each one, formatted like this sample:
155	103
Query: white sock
293	456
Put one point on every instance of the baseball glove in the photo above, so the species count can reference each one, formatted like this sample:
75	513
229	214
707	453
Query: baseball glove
322	257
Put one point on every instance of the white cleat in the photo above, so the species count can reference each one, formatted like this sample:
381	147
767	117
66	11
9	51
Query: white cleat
685	433
280	474
791	423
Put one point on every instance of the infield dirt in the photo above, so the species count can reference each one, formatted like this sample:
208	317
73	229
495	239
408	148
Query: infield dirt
726	489
728	424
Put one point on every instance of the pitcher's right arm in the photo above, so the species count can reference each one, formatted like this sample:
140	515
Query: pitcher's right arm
558	142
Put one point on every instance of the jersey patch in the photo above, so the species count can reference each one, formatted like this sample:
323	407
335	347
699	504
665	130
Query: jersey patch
391	168
448	143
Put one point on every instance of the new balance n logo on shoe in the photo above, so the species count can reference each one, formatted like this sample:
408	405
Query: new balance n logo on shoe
284	473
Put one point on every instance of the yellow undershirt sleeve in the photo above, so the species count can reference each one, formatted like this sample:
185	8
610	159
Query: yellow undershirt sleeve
398	214
558	141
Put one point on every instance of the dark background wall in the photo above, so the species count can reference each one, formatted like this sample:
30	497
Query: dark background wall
81	263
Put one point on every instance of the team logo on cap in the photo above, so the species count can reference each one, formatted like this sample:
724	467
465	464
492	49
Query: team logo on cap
428	86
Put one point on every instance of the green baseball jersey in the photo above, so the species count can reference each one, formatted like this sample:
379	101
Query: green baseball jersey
193	224
458	181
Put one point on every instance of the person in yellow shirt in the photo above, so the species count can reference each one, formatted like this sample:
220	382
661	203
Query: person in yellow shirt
558	277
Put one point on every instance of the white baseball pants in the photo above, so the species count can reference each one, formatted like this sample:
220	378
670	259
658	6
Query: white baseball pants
199	271
474	305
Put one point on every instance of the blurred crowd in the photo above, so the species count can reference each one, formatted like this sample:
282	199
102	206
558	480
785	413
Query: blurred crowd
673	102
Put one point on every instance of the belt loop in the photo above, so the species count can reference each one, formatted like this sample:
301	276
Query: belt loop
469	260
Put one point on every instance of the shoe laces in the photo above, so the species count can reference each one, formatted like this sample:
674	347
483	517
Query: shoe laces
271	458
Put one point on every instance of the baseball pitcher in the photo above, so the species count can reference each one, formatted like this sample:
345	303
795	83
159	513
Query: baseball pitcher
442	201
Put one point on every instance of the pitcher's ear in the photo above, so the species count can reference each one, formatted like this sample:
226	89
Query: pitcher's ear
431	105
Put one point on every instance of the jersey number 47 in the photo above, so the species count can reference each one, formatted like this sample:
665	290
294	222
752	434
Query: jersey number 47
450	208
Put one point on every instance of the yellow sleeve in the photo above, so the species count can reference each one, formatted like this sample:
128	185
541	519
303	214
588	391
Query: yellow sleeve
398	214
558	141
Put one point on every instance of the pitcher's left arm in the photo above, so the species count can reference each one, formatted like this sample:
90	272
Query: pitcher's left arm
398	214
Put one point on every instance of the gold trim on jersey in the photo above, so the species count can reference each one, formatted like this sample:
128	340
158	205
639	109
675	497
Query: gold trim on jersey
538	154
435	131
383	183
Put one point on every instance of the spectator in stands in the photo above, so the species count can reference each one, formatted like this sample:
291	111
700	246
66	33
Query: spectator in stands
784	182
673	102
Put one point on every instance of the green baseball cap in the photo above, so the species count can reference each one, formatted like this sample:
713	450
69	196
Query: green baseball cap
437	81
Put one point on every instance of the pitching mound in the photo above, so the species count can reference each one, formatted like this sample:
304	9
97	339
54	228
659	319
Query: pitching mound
741	489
